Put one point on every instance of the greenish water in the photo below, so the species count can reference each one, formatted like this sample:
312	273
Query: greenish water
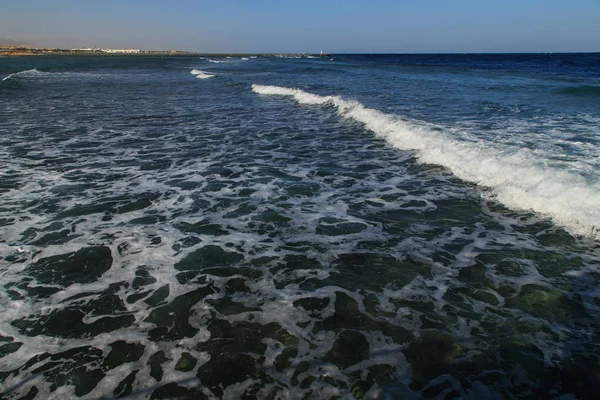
397	227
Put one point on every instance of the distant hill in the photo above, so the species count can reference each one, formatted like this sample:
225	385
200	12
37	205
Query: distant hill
15	43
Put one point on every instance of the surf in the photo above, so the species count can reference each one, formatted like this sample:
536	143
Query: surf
515	177
29	73
201	74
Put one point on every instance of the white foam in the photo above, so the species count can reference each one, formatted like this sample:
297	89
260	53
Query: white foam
517	177
215	61
201	74
27	73
301	96
39	75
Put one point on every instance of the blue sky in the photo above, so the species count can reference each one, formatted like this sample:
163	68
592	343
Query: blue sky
367	26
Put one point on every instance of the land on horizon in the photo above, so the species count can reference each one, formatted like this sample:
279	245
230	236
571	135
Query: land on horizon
12	48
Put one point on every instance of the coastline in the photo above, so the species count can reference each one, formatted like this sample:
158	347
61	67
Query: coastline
152	53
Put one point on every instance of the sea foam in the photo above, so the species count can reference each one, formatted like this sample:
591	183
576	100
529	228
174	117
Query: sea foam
516	177
201	74
27	73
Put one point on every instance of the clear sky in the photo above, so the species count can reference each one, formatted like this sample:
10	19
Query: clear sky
336	26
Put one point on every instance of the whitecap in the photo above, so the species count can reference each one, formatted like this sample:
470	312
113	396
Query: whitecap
201	74
25	74
517	177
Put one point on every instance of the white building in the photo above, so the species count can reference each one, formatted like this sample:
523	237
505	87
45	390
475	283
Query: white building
126	51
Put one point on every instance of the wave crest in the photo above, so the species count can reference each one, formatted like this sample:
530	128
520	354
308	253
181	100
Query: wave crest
516	178
30	73
201	74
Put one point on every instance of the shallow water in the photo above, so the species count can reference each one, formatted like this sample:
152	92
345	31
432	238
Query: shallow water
421	226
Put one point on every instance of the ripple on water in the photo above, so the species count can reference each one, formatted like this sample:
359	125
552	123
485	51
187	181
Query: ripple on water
194	253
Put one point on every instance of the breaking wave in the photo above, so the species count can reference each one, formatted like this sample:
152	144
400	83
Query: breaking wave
201	74
516	178
25	74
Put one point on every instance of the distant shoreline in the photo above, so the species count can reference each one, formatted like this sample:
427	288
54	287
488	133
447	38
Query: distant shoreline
7	53
158	53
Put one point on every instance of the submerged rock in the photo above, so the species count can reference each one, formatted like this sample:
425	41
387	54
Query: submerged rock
549	304
186	362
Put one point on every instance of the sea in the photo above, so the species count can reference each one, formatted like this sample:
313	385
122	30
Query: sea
300	227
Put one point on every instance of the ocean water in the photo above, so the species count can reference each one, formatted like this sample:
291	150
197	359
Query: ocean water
343	227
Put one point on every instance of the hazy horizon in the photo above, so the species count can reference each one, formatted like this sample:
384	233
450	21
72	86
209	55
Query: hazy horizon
265	26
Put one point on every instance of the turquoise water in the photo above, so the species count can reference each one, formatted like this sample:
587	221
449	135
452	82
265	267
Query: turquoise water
356	226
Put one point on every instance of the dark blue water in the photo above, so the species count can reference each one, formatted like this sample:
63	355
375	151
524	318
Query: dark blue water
352	226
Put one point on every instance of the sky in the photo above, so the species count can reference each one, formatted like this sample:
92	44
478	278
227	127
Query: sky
308	26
